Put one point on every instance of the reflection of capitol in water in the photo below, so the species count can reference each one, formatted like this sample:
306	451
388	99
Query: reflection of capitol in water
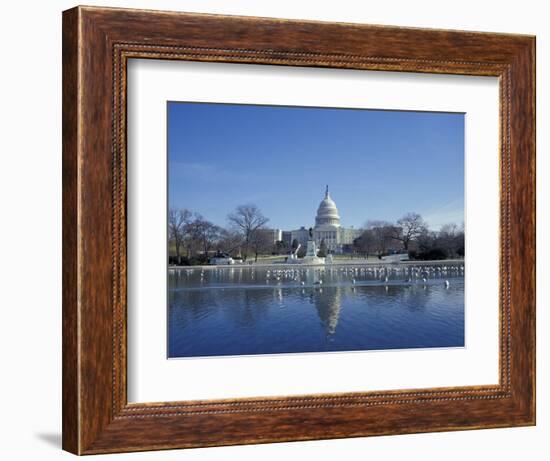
250	290
327	300
265	310
328	303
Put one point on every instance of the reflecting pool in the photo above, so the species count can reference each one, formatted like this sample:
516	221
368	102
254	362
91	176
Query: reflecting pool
246	310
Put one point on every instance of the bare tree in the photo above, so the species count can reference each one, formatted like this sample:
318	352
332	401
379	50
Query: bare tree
426	241
381	233
178	219
449	229
451	239
365	244
230	242
204	233
280	247
260	242
247	219
448	242
409	227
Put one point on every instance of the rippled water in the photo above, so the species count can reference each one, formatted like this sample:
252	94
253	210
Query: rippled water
247	310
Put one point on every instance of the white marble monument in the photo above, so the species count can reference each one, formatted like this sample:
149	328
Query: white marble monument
311	252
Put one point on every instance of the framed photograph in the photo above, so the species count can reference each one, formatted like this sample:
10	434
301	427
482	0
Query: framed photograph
281	230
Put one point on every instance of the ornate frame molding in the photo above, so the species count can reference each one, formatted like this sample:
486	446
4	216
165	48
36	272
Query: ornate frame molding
97	45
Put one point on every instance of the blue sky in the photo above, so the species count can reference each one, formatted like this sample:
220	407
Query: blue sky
378	164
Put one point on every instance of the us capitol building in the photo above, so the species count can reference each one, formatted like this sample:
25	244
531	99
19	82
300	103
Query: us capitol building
327	227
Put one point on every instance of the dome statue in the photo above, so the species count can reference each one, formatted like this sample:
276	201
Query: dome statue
327	213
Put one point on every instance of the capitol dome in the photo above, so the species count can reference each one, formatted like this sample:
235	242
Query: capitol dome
327	213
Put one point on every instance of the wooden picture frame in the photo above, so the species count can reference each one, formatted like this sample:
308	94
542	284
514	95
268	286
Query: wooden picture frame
97	43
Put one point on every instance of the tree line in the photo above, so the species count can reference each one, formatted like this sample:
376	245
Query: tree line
193	239
410	234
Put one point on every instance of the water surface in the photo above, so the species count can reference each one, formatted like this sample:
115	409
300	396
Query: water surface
252	310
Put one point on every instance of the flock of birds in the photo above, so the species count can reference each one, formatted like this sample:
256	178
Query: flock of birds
402	274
